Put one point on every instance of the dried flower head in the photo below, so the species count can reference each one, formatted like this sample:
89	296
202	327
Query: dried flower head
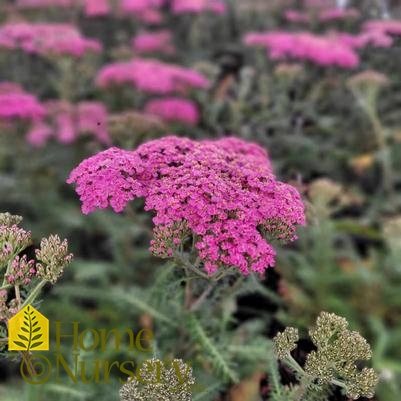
54	257
165	381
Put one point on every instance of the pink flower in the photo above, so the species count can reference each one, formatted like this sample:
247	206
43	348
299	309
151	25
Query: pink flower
198	6
45	3
392	27
321	50
140	5
47	39
297	16
19	105
334	14
68	121
39	134
373	38
151	76
320	3
150	42
93	119
174	110
145	10
96	8
223	192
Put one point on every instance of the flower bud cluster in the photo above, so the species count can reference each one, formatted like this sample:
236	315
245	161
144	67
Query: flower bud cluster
54	257
163	383
336	357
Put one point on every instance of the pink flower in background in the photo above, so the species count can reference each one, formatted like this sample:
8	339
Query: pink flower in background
96	8
335	14
392	27
150	42
174	110
198	6
67	122
321	50
92	119
17	104
10	87
140	5
297	16
39	134
223	192
373	38
145	10
45	3
151	76
47	39
320	3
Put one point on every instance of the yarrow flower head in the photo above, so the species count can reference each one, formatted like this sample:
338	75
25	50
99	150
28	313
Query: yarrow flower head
319	49
198	6
223	192
165	381
151	76
144	10
13	239
44	3
53	256
338	351
68	121
46	39
21	271
392	27
151	42
174	110
17	104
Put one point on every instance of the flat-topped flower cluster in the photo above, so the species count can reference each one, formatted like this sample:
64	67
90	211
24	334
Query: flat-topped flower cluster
222	194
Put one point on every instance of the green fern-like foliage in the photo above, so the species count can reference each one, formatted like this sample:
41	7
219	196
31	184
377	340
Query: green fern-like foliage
213	353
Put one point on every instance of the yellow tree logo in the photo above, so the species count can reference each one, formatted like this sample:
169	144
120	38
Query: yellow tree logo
28	330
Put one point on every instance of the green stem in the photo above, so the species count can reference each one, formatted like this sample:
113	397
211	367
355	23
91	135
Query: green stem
386	163
302	388
34	293
292	363
18	296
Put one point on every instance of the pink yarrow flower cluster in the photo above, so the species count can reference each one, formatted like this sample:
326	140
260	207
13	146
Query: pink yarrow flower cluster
151	76
45	3
198	6
46	39
321	50
96	8
174	110
151	42
334	14
91	8
69	121
325	15
392	27
145	10
17	104
223	193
